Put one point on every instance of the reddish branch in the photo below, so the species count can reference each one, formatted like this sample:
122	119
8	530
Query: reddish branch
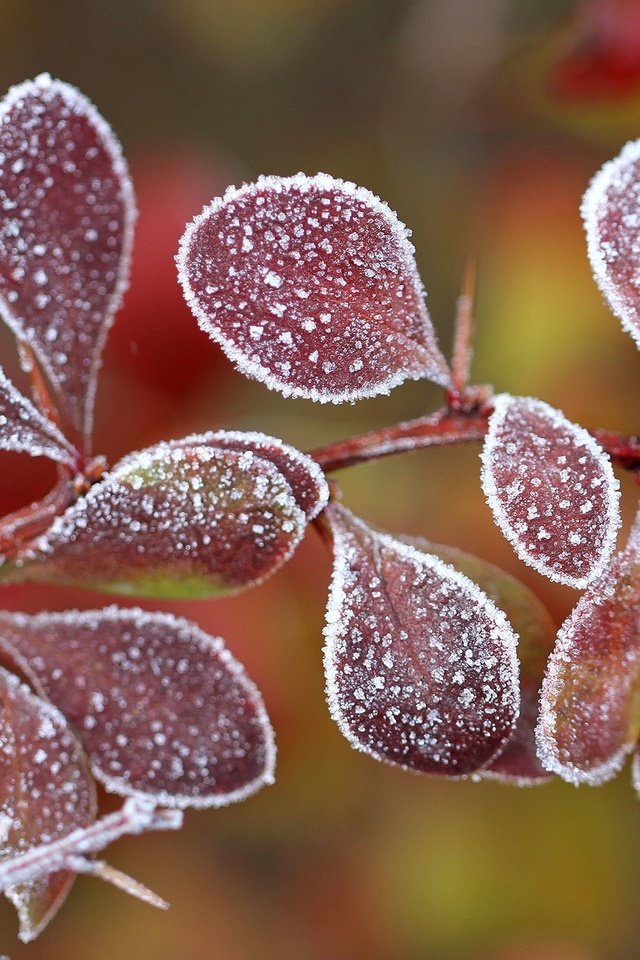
464	419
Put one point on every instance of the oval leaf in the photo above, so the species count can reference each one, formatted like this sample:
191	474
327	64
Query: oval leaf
309	284
306	479
25	430
611	219
518	763
65	236
421	666
590	701
551	489
46	792
174	520
161	707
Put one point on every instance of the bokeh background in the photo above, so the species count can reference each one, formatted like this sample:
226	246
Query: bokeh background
480	122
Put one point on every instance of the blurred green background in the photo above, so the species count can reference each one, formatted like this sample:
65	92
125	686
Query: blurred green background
480	122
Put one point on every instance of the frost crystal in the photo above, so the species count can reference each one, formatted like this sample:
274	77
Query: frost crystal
65	234
588	718
552	490
611	213
421	666
161	707
310	285
24	429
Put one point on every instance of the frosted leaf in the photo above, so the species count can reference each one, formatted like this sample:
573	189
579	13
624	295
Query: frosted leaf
25	430
589	718
552	490
162	708
310	285
420	665
175	520
306	479
46	791
65	234
518	763
611	213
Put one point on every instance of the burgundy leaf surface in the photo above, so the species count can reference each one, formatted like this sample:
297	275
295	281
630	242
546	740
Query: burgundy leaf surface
421	666
65	236
24	429
178	519
46	791
310	285
589	717
552	490
162	708
611	213
306	479
518	763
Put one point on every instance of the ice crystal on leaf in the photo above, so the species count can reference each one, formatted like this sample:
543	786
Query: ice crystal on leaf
589	718
421	666
65	234
552	490
161	707
196	517
611	212
518	762
310	285
24	429
46	791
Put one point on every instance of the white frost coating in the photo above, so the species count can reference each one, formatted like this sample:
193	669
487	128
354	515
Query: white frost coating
148	515
54	361
47	791
183	632
591	681
70	853
433	366
259	442
23	428
616	177
560	503
635	771
342	626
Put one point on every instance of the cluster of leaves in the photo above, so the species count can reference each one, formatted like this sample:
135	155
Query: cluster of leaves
310	285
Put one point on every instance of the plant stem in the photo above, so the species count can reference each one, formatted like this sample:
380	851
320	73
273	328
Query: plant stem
439	428
447	426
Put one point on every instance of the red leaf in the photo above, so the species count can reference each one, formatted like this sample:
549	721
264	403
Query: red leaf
183	518
518	763
66	234
552	490
46	791
309	284
421	666
161	707
611	220
306	479
24	429
589	718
